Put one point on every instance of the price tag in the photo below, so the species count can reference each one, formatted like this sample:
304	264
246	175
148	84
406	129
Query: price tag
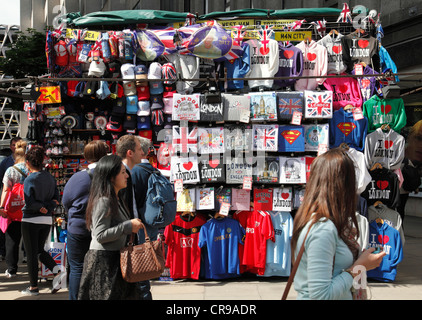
297	118
244	116
358	69
322	148
224	209
247	183
178	185
49	95
357	114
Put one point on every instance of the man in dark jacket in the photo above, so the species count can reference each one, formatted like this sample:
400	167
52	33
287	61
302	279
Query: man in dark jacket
134	150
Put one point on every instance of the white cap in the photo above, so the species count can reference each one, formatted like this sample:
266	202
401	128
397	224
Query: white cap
154	71
128	71
144	108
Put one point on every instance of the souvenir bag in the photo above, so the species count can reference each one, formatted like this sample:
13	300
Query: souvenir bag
212	169
186	200
57	250
318	104
211	107
237	107
205	198
186	169
237	169
292	170
185	139
238	137
241	199
282	199
142	262
266	169
186	107
316	136
211	140
15	199
263	199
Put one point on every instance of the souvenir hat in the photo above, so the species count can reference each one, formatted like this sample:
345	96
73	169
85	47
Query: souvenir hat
141	74
155	73
116	90
168	105
128	71
129	88
144	123
143	93
169	90
71	87
119	106
130	122
96	68
144	108
156	102
131	104
103	91
169	73
145	133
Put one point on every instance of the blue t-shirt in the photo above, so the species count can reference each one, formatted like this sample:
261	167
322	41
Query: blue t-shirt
222	238
291	138
278	259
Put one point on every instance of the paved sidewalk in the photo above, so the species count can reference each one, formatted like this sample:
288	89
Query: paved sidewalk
408	284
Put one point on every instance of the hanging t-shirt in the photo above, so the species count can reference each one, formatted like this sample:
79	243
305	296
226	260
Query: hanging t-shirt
278	260
316	136
380	111
184	255
387	238
282	199
335	53
221	237
288	103
263	62
291	138
384	147
344	128
263	199
345	91
367	84
290	65
259	229
384	187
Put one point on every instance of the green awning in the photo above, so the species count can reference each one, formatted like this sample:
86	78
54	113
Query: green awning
244	13
305	12
125	17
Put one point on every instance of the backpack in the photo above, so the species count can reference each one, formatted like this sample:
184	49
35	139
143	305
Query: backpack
15	199
160	205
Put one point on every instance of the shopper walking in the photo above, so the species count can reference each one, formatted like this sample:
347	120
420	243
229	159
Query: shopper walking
134	150
327	267
13	175
41	197
108	219
75	199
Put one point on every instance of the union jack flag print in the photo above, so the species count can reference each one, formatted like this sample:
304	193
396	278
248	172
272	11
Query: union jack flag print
288	103
265	137
185	140
318	104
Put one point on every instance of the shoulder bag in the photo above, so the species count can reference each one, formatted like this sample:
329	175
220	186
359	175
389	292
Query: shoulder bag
142	262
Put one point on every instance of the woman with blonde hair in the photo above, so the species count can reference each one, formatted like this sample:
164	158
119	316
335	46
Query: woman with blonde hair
14	174
327	267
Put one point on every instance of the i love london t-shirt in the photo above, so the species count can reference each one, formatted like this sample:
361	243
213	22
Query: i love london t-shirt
184	255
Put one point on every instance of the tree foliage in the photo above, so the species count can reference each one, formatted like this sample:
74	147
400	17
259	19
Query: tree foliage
26	57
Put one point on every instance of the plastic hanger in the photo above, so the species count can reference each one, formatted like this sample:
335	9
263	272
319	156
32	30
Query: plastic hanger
377	165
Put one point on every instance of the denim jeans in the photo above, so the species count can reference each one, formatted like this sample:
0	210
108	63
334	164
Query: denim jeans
77	247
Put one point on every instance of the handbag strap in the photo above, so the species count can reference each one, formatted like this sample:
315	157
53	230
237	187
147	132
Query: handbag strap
295	267
20	171
132	236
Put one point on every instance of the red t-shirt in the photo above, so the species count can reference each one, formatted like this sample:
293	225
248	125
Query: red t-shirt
259	228
184	254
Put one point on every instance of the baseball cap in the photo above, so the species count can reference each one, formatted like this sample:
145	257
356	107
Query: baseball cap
144	123
128	71
168	105
119	106
116	90
129	88
157	117
155	73
71	87
169	90
131	104
156	102
143	93
141	73
168	72
144	108
96	68
129	122
145	133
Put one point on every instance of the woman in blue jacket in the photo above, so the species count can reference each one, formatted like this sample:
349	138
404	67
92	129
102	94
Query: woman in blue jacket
327	268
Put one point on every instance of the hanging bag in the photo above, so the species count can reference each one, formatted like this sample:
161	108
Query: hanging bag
142	262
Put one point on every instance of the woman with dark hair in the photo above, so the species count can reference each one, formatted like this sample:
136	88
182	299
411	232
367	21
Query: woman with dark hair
75	199
108	219
41	197
327	267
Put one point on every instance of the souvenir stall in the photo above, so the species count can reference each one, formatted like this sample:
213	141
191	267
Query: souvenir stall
237	111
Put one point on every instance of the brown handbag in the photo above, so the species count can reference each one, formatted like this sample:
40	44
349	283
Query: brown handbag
142	262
